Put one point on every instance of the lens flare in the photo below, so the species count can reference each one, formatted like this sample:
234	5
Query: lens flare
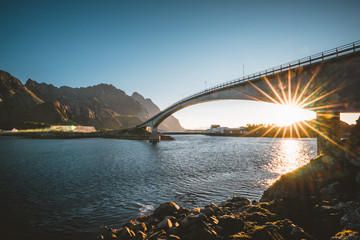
290	114
295	98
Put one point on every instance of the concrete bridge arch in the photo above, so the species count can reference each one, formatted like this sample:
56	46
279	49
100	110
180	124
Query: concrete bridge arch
325	82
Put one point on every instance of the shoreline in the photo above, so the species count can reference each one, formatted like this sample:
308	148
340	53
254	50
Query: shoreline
164	136
76	135
320	200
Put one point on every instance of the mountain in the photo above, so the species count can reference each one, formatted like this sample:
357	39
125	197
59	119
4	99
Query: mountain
102	106
170	123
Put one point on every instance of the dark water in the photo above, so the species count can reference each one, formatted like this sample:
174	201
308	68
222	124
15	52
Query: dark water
66	189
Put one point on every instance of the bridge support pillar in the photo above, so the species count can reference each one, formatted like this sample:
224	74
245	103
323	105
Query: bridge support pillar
328	138
154	136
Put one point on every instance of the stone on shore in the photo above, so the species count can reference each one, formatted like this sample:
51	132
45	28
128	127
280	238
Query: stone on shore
166	209
232	221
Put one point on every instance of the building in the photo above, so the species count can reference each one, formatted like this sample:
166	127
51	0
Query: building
215	129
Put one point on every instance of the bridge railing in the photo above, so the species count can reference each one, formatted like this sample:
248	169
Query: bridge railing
315	58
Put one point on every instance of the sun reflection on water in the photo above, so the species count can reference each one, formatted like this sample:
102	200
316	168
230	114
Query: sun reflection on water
289	157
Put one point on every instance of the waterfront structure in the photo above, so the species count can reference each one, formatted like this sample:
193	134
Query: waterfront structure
327	83
217	129
72	128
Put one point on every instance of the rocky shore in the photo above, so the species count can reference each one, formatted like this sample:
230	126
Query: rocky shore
130	134
320	200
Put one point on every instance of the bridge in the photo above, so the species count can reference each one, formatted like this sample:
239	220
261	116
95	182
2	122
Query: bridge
327	83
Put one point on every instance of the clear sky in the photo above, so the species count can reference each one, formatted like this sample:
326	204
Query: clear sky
167	49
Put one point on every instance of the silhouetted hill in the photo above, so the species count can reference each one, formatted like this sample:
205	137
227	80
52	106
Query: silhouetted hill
18	105
170	123
102	106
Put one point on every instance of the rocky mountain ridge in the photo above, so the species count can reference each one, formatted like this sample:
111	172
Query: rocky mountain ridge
103	106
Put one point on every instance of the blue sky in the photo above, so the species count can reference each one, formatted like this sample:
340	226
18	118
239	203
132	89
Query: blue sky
166	50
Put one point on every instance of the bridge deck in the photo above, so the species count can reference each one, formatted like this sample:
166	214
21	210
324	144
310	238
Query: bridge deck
293	65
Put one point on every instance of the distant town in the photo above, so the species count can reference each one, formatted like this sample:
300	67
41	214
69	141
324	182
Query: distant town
305	129
297	130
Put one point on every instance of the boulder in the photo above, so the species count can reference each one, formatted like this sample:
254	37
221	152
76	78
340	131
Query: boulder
208	211
165	224
189	220
259	217
239	236
196	210
166	209
202	231
157	235
347	235
213	220
173	237
140	236
267	232
351	220
230	225
126	233
215	207
136	226
173	230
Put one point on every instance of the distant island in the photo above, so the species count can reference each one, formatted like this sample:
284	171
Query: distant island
104	107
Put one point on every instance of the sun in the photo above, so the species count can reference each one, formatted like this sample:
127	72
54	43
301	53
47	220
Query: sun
295	104
289	114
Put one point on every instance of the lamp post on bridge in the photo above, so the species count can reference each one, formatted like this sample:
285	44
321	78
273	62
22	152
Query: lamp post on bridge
243	71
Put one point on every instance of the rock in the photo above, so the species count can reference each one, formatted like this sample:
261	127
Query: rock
165	209
208	211
308	180
196	210
239	236
218	229
267	232
173	237
202	217
202	231
127	233
100	237
351	220
271	206
347	235
213	205
172	218
240	201
215	208
256	208
144	218
173	230
140	236
136	226
354	145
230	225
226	204
213	220
330	190
189	220
347	206
157	235
288	230
183	210
259	217
165	224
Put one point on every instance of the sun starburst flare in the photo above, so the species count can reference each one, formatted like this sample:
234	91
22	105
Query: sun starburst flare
294	97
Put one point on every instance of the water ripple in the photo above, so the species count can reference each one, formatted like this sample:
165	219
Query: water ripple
66	189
